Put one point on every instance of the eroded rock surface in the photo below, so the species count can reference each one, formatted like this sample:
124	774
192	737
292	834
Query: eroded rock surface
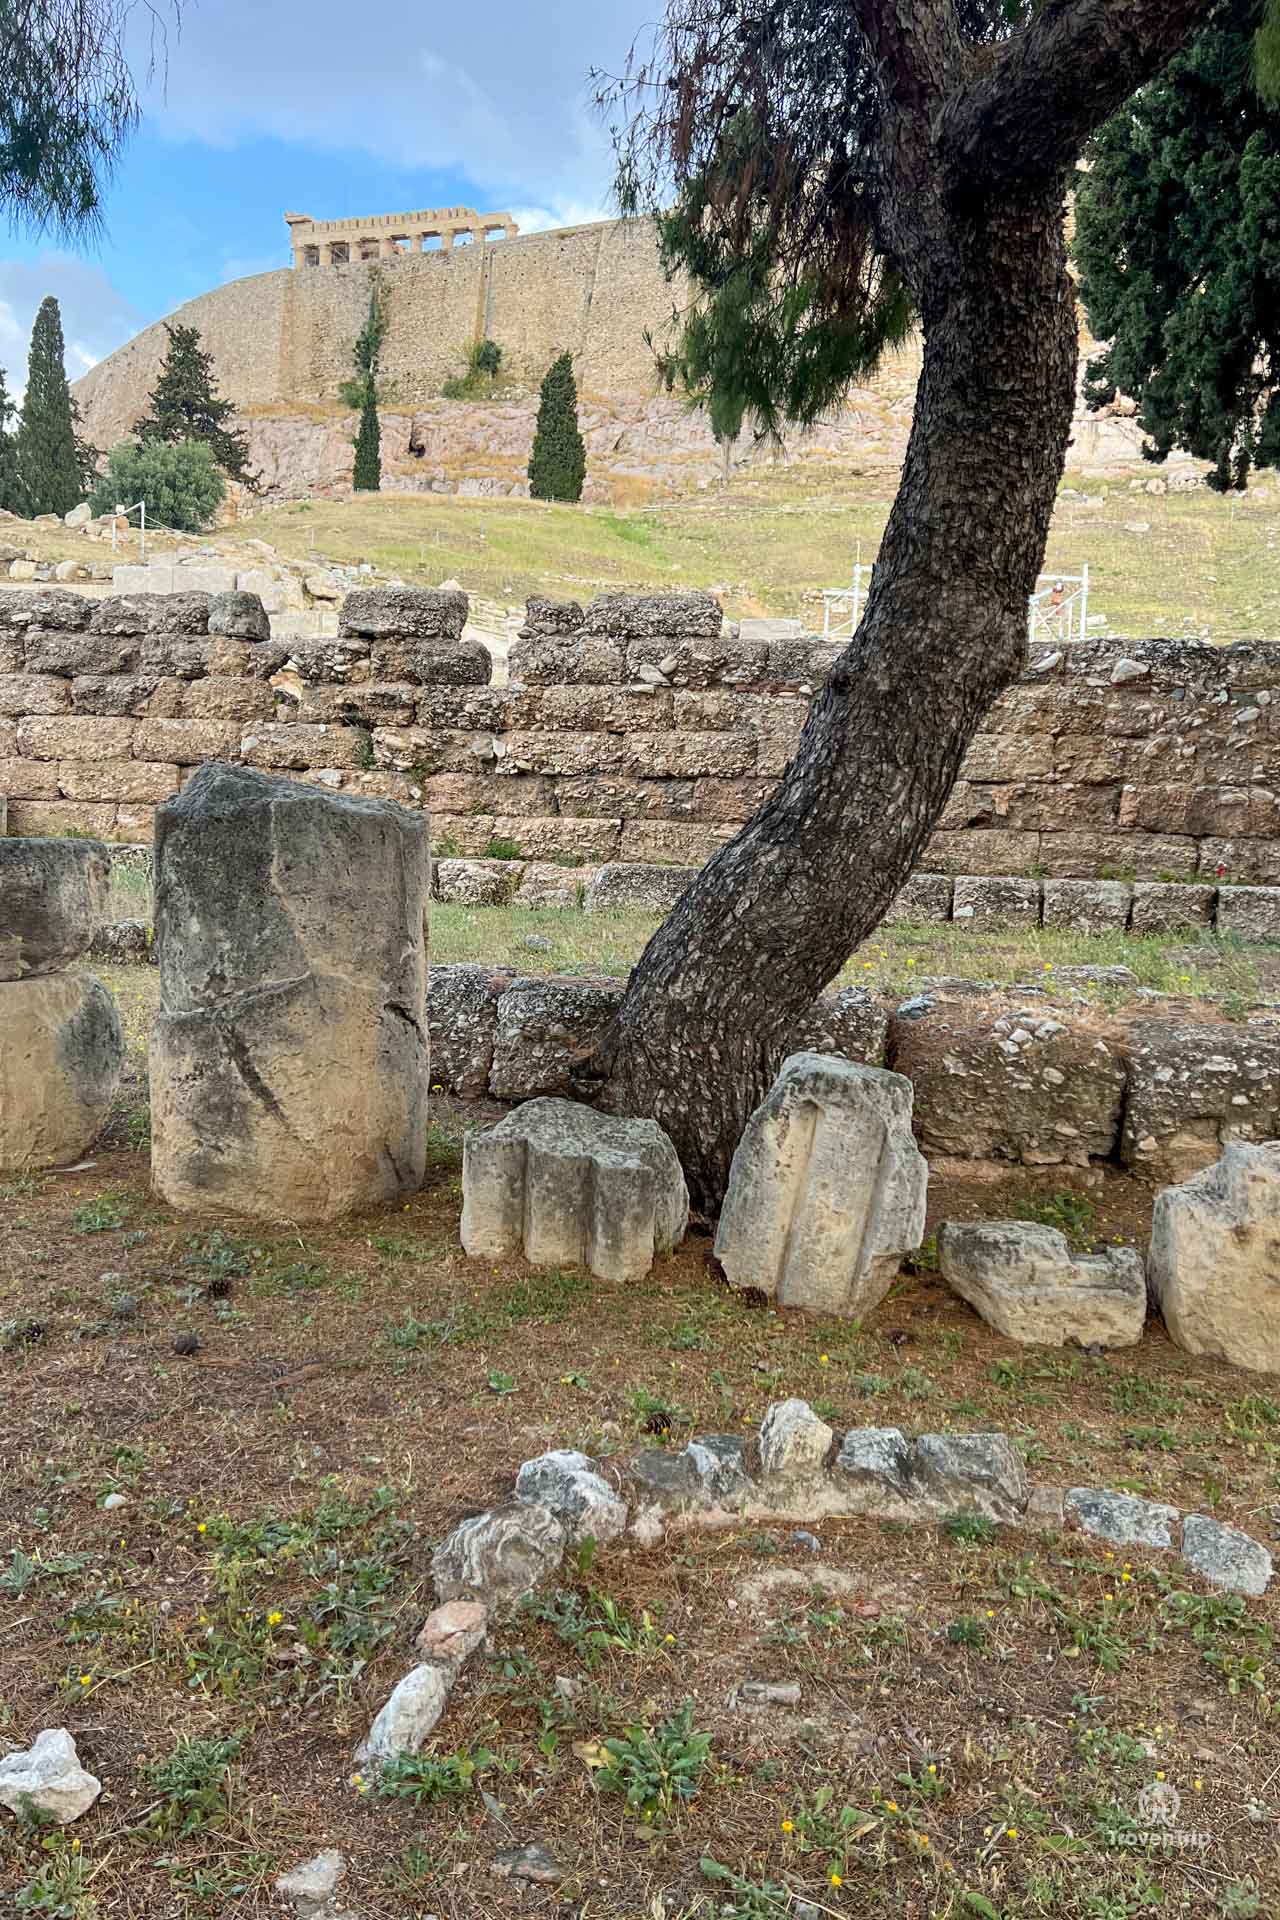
1025	1282
1215	1258
61	1055
53	898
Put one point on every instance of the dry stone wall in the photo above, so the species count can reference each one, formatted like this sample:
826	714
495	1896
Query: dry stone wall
643	730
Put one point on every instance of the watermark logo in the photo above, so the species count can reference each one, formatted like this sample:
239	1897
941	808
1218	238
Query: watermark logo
1156	1824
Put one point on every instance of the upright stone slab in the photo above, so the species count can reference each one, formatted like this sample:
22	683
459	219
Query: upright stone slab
289	1064
1214	1267
570	1186
61	1055
827	1188
53	899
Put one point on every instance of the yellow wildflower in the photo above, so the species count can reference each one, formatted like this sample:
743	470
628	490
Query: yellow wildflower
788	1826
274	1619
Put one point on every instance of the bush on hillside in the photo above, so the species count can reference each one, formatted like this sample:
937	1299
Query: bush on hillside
181	484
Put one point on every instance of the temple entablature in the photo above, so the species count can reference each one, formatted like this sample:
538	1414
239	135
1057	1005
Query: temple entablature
388	236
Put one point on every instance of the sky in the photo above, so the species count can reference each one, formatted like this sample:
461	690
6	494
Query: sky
322	107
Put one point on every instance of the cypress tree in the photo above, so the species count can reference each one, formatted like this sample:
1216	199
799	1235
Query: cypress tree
11	496
49	453
368	470
558	462
185	405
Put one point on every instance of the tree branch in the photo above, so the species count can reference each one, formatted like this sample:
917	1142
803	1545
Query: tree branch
915	47
1052	83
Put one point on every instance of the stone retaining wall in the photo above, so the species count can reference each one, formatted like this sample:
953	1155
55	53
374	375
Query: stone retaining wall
641	731
999	1074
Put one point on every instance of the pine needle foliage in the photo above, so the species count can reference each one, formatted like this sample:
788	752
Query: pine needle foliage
51	457
185	405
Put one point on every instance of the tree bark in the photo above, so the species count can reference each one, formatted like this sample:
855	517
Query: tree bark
775	915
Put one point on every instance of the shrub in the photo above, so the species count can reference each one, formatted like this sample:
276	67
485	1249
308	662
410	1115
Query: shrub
367	477
181	484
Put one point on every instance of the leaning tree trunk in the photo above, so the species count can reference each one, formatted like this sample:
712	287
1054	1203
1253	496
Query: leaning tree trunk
974	147
775	915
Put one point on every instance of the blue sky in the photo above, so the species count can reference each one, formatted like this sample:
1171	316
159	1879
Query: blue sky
327	109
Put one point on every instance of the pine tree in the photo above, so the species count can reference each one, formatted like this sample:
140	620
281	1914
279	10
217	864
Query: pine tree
1178	245
558	462
368	470
11	495
49	454
185	405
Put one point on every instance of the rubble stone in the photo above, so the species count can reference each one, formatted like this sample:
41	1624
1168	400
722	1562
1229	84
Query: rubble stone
1215	1258
1025	1282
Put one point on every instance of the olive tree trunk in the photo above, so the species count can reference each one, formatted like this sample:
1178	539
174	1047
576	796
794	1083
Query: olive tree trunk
974	151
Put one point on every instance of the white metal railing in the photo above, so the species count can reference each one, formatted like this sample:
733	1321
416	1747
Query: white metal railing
1058	610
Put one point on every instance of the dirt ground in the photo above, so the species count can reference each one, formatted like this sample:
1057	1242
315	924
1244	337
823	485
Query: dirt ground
294	1420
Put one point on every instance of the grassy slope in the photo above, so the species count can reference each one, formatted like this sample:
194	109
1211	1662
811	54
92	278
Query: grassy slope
772	542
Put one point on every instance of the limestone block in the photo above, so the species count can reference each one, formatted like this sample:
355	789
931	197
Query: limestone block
826	1190
462	1011
204	577
923	900
794	1442
698	663
500	1557
70	654
61	1056
236	615
850	1022
710	1472
1194	1089
49	1776
451	1634
996	900
269	587
425	613
53	899
876	1471
572	1186
544	883
640	616
543	615
1161	906
123	943
570	1485
23	694
1250	913
546	1032
289	1068
476	883
1215	1258
139	613
622	886
1122	1519
1025	1282
1087	906
431	663
972	1472
1024	1086
408	1719
1224	1556
50	608
553	661
132	579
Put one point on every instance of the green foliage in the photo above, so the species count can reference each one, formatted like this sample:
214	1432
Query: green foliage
426	1778
1071	1213
558	462
185	406
654	1768
367	477
67	105
192	1785
484	362
181	484
1178	244
366	353
11	494
51	458
60	1890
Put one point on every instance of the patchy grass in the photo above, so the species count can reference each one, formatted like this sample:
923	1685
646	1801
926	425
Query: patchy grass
770	542
979	1710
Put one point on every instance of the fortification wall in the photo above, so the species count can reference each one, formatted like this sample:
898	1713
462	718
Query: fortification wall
642	731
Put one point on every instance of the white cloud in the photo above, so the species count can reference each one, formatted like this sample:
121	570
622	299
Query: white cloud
499	96
96	317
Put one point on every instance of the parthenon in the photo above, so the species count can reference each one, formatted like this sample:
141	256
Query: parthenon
385	236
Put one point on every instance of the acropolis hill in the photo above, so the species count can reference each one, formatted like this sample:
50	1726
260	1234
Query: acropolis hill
282	343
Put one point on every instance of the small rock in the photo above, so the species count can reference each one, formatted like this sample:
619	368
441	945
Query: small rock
529	1862
312	1885
409	1717
1046	1507
1224	1556
1121	1518
186	1342
452	1633
771	1693
710	1472
794	1443
499	1557
49	1775
568	1485
809	1541
114	1502
538	943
